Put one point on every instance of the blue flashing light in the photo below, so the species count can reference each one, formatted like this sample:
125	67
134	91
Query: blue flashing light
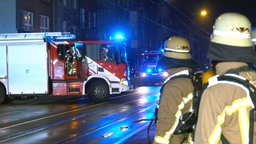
148	70
119	36
49	37
159	69
66	37
78	44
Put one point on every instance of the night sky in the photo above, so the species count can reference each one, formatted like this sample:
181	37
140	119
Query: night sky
215	7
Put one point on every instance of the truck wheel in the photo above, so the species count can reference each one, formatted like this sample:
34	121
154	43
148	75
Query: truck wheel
98	91
3	96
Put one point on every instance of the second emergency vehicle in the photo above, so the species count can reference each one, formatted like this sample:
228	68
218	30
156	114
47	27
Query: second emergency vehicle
148	73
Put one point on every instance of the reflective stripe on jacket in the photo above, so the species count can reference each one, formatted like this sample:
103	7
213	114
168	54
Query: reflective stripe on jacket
176	99
224	109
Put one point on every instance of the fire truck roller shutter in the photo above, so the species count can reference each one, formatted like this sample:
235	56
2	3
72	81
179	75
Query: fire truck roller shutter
27	68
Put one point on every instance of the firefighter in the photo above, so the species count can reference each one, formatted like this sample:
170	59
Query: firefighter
225	106
71	61
175	98
104	54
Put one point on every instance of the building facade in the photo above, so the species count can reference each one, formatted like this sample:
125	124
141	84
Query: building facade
41	16
25	16
145	23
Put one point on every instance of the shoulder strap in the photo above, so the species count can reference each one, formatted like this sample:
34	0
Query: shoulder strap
195	77
175	77
243	82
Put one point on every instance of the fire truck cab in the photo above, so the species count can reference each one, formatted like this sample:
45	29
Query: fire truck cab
108	69
40	64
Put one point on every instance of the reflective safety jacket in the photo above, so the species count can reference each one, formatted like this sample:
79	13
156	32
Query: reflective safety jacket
224	110
175	100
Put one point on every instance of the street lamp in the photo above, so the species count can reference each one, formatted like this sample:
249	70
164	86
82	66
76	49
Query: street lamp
203	13
205	18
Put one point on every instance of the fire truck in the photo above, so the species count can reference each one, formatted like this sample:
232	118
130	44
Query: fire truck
56	64
147	73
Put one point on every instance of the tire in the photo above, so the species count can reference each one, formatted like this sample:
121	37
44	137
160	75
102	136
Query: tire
98	91
3	96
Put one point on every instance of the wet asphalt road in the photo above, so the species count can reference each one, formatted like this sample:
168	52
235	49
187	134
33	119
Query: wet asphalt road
65	120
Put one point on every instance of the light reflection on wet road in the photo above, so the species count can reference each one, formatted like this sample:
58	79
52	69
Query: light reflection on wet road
77	120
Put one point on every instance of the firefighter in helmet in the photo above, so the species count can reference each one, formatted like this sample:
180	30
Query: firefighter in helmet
176	60
71	61
225	107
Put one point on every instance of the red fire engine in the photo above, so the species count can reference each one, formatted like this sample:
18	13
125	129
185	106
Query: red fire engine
55	64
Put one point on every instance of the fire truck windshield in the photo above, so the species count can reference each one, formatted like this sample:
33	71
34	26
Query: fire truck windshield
151	58
106	53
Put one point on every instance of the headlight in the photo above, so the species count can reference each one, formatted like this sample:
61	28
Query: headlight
143	74
124	82
165	74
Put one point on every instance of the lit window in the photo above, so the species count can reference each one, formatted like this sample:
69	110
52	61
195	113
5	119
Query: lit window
44	23
27	20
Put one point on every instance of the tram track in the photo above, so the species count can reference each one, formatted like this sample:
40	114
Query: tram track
13	132
104	131
37	120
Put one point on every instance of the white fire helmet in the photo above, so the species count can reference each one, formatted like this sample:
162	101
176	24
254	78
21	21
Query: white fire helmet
232	29
177	47
231	39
